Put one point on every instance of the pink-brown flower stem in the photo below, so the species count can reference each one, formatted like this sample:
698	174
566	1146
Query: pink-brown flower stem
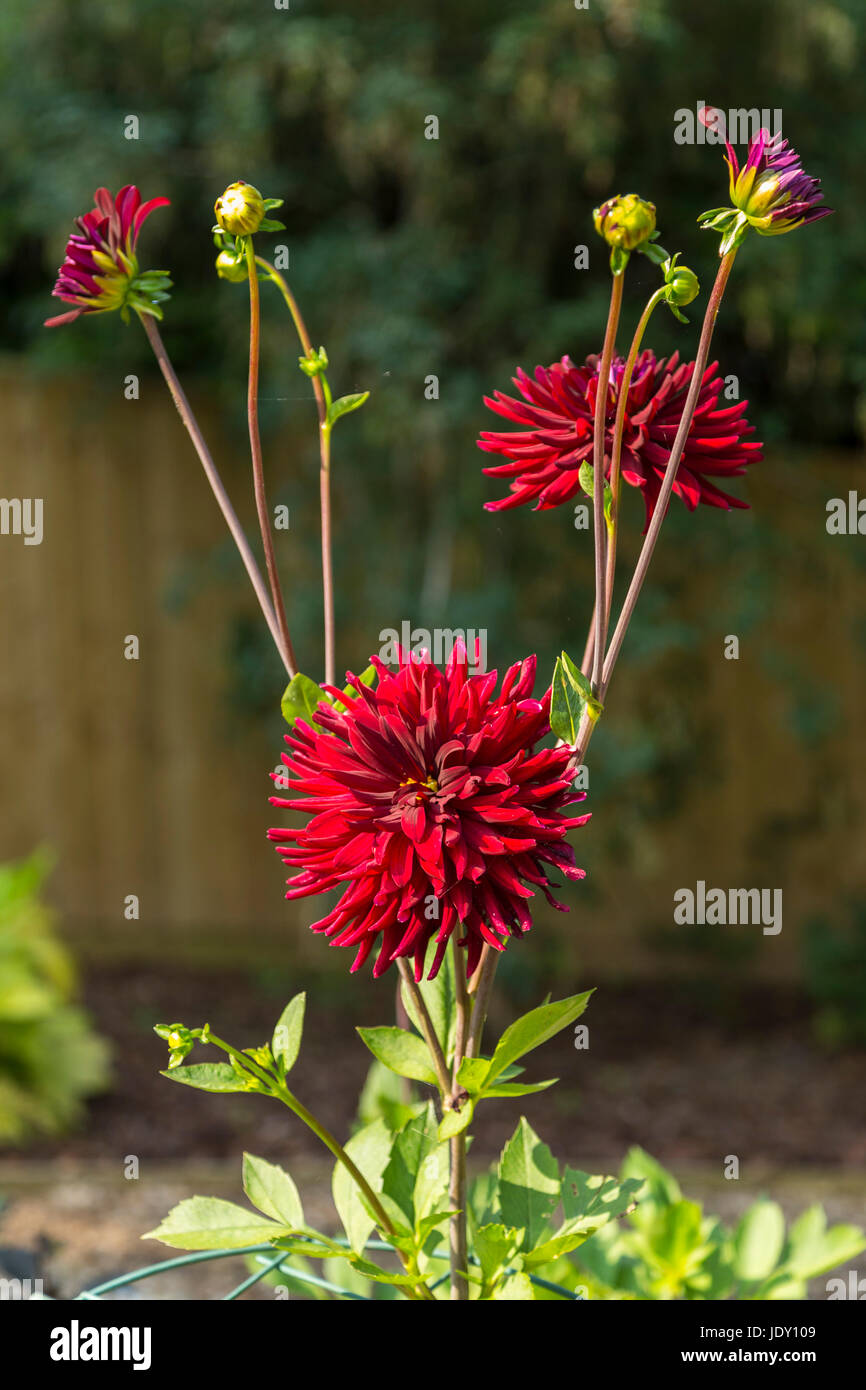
258	463
457	1231
616	450
481	987
215	481
320	388
598	484
428	1031
673	463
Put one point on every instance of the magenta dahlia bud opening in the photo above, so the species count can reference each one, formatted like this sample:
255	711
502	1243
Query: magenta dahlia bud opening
557	410
771	192
100	272
430	808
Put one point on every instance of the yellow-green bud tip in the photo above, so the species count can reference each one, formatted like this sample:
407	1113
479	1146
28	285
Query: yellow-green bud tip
625	221
240	210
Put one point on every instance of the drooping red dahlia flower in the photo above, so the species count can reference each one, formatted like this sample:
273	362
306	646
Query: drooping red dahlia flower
557	412
101	271
430	809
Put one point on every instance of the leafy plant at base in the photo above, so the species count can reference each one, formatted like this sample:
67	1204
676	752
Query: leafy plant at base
50	1057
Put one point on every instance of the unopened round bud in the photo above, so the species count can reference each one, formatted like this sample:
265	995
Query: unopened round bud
240	210
229	267
625	221
682	286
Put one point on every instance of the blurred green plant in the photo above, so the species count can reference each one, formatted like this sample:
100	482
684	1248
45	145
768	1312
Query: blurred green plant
835	973
668	1249
50	1057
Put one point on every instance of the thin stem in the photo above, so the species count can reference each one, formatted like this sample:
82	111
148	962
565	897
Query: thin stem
616	452
320	388
297	1107
598	480
673	463
258	464
457	1234
184	410
483	989
429	1032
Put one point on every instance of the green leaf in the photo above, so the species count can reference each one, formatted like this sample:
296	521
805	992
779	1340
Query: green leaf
660	1187
383	1098
813	1250
404	1052
509	1088
288	1032
455	1121
495	1245
571	699
535	1028
209	1223
370	1150
344	404
208	1076
529	1184
589	1201
300	699
272	1190
516	1289
758	1240
416	1178
440	997
382	1276
653	252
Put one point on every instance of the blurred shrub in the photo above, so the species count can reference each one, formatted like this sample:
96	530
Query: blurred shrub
835	974
50	1058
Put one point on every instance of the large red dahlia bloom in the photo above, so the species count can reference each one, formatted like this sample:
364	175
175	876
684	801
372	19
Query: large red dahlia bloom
430	809
557	412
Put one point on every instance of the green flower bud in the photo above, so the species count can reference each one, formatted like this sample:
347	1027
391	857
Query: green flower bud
231	267
240	210
682	285
625	221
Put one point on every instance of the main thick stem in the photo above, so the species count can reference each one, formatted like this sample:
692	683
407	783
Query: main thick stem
216	484
457	1232
258	463
598	480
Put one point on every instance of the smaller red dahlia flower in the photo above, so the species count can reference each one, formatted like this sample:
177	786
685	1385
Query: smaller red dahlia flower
430	810
100	272
557	412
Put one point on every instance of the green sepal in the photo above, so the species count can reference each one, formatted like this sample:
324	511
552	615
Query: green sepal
619	260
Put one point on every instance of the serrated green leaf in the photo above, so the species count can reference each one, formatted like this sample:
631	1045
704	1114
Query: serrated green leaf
286	1042
402	1051
571	699
517	1288
495	1245
209	1223
300	699
208	1076
370	1150
529	1185
589	1202
533	1029
417	1171
343	405
272	1190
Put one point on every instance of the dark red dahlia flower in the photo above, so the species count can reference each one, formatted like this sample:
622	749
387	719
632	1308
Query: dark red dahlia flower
430	809
557	412
100	271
